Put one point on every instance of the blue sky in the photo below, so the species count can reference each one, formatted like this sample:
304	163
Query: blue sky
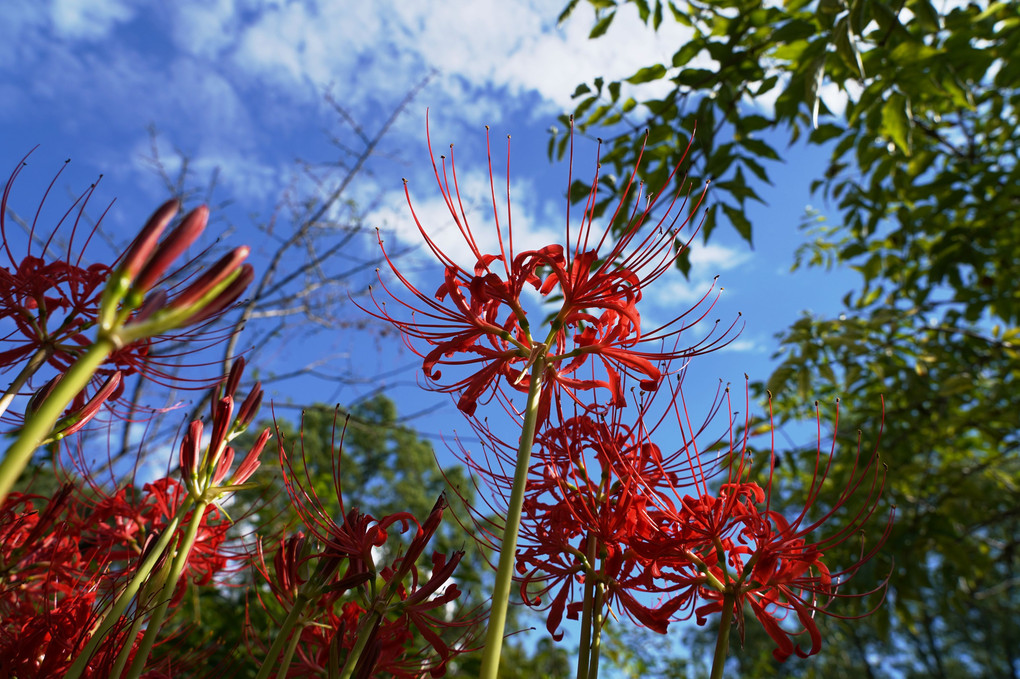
239	87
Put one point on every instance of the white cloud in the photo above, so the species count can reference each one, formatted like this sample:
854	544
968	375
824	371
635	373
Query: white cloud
712	258
707	261
397	223
205	28
90	19
381	49
744	345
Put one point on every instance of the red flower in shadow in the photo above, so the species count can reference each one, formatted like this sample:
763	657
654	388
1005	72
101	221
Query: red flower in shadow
740	551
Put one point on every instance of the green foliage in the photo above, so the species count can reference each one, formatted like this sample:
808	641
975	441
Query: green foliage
923	182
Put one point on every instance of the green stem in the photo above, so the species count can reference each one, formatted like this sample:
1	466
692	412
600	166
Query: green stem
288	655
159	614
125	598
507	554
366	631
584	647
722	644
38	359
39	425
296	611
596	640
148	590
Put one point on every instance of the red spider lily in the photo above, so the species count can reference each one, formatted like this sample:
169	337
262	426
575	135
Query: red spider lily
476	320
596	480
43	646
52	587
39	555
35	292
120	526
392	647
774	562
48	306
204	467
588	499
358	534
390	605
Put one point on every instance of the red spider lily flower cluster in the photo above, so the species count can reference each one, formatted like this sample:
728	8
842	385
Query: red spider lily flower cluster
51	307
610	522
345	609
607	508
205	467
62	559
66	560
476	321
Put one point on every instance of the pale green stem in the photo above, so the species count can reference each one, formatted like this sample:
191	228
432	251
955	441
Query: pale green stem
722	644
125	652
38	359
505	570
366	631
144	596
296	611
38	426
288	655
584	647
598	620
159	614
125	598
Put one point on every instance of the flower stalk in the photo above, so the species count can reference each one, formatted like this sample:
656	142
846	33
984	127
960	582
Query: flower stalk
38	359
505	571
40	424
129	593
180	559
286	630
722	643
584	646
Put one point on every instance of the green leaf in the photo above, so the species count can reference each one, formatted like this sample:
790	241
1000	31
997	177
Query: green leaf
565	14
707	225
680	16
792	31
739	221
602	25
753	123
683	262
695	77
926	15
683	55
824	133
647	74
581	89
896	121
757	168
846	46
579	190
643	10
911	53
759	148
584	106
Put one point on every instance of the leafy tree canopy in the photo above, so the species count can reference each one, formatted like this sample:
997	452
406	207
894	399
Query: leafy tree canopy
922	186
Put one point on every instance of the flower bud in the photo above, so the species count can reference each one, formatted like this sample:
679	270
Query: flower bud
190	451
172	247
218	273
